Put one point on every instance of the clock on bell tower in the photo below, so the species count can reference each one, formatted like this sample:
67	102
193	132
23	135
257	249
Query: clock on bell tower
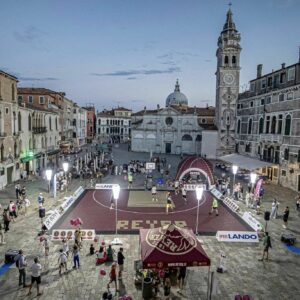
227	85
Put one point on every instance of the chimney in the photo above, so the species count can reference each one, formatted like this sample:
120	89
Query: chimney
282	65
259	71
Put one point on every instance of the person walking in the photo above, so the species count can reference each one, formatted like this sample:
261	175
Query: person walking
297	198
181	277
113	276
21	265
154	193
76	258
36	276
169	203
65	243
267	246
17	188
12	210
130	180
62	260
286	217
78	237
274	210
46	246
121	258
214	207
6	219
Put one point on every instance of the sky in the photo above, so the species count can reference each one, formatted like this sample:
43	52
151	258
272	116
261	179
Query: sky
130	52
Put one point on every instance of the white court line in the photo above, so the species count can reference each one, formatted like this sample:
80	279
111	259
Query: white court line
149	213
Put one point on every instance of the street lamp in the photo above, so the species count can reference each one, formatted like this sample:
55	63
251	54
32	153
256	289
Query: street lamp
116	192
199	193
234	171
48	176
253	179
65	168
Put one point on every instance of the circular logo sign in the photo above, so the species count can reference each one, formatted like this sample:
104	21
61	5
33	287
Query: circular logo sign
171	241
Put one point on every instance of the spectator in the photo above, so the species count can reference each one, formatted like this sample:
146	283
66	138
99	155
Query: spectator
12	210
286	217
121	258
35	276
66	246
46	246
267	245
181	277
274	210
76	258
154	193
62	260
2	234
6	219
110	253
113	276
21	265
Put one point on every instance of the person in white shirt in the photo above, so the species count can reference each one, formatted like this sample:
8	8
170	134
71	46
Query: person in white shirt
154	193
65	246
176	185
35	276
62	261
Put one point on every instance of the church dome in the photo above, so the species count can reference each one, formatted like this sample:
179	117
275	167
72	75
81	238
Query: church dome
176	98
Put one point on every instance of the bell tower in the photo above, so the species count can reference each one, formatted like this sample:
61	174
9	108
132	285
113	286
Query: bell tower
227	85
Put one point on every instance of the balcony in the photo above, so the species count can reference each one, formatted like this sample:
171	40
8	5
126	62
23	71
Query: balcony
37	130
271	138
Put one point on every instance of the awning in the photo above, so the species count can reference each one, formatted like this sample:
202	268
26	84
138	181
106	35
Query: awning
53	152
244	162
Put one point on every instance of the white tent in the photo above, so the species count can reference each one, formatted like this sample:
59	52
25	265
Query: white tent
244	162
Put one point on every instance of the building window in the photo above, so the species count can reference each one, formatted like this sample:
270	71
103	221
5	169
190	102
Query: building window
250	126
263	83
267	124
42	100
268	100
281	97
273	125
20	98
203	121
289	96
291	74
19	121
252	87
283	173
187	137
251	104
233	60
270	81
169	121
239	127
282	78
13	96
30	99
298	160
276	81
226	61
50	123
279	128
261	126
286	154
287	127
6	110
262	101
29	122
56	125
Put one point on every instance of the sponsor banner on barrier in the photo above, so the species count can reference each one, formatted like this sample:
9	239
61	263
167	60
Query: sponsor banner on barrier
192	187
250	220
60	234
104	186
51	220
216	193
78	192
237	236
66	204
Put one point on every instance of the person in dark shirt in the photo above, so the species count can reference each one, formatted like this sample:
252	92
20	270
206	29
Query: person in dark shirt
286	217
121	258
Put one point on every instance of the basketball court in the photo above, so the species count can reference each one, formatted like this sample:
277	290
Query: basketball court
136	210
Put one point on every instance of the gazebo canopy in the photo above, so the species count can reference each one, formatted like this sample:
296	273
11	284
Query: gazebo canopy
171	246
194	163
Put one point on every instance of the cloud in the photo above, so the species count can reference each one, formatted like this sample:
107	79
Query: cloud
37	78
31	36
140	72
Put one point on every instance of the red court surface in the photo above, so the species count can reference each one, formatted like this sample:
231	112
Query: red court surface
94	210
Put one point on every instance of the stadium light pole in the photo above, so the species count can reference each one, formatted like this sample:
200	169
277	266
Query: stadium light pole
116	192
199	193
48	176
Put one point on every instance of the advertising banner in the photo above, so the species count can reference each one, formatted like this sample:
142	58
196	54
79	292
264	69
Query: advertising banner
104	186
51	220
258	186
60	234
250	220
237	236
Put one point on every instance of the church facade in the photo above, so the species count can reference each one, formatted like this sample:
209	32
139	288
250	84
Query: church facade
174	129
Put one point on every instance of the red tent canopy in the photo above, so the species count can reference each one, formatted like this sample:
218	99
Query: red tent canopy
193	163
171	246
